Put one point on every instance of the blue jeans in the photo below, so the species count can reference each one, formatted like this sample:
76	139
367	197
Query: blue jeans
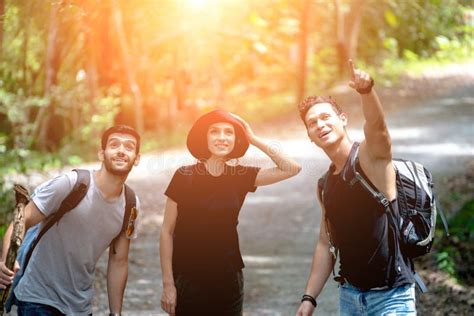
396	301
36	309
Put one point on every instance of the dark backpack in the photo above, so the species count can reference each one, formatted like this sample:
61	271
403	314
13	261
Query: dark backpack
417	204
34	234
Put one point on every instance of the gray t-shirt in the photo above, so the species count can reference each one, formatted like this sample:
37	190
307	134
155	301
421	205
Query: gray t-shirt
61	269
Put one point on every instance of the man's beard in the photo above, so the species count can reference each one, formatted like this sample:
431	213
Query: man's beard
117	172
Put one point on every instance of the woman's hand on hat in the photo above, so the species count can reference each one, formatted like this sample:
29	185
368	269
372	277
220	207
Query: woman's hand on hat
251	135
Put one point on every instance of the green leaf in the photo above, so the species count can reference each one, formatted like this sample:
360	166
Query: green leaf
74	160
391	18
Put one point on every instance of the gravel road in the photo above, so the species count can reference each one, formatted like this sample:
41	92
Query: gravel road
279	223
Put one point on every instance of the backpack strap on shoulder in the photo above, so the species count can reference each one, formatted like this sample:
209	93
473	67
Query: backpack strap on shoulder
130	203
349	172
322	186
352	176
77	193
129	217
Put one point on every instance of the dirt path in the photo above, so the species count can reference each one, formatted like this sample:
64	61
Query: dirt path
430	118
278	224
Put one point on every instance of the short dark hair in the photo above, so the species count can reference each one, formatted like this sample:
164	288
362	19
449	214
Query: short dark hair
122	129
311	101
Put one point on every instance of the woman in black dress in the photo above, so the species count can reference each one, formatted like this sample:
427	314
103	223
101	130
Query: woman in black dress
199	246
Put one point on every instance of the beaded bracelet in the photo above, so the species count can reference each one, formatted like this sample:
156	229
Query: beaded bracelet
309	298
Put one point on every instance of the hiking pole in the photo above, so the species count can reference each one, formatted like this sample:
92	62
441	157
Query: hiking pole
22	198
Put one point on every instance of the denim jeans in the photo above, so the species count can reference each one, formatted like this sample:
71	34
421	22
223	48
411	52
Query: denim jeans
396	301
36	309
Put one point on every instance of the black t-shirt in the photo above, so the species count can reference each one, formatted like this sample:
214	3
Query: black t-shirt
359	228
205	236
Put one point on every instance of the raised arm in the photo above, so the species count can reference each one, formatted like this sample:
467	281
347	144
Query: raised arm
168	298
375	155
285	166
377	137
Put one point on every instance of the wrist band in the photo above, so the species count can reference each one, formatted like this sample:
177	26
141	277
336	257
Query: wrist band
309	298
367	89
115	314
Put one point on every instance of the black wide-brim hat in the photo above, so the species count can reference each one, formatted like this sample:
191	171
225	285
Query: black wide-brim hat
197	136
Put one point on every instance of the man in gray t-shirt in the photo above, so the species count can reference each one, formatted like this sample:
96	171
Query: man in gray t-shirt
59	277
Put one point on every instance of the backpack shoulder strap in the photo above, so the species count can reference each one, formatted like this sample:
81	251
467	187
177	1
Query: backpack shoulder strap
76	195
352	176
130	203
129	216
322	186
349	173
70	201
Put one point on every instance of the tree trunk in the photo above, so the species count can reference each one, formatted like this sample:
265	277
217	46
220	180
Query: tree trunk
106	46
129	71
303	48
354	17
52	63
2	21
347	30
26	30
91	28
340	38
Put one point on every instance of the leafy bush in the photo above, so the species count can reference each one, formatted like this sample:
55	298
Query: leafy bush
456	253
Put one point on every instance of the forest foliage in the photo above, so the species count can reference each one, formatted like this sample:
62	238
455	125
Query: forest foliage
70	68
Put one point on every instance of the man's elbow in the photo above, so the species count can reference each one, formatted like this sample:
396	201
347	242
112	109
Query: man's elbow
379	145
292	170
118	257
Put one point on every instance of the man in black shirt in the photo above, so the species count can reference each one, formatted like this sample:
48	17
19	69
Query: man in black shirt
356	224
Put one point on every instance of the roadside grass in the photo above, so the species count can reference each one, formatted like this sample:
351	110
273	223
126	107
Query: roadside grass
393	69
455	254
